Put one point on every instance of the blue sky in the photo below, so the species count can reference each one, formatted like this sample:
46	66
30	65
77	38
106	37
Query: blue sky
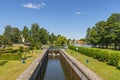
70	18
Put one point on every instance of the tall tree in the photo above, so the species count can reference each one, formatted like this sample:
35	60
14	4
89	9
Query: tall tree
35	36
1	40
43	36
52	38
35	32
26	33
8	35
16	35
114	26
61	41
92	36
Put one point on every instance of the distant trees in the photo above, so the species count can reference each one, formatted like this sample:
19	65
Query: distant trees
35	35
16	35
1	40
44	36
25	33
61	41
11	35
8	35
105	33
52	38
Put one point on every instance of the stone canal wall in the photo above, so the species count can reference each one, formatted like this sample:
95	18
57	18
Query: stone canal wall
35	68
31	72
82	71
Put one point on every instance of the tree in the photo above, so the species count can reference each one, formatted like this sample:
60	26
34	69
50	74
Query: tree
8	35
16	35
92	36
1	40
69	41
26	33
43	36
61	41
114	25
34	33
52	38
105	33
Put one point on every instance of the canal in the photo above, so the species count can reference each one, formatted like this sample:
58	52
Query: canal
51	66
57	68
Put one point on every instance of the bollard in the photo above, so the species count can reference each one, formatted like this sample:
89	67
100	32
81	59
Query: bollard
87	61
23	61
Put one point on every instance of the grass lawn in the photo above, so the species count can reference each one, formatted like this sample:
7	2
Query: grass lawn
11	69
107	72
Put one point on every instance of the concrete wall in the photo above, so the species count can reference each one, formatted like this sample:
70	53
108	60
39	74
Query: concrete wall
82	71
31	72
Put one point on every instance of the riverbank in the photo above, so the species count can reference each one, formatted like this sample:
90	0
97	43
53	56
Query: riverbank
107	72
11	69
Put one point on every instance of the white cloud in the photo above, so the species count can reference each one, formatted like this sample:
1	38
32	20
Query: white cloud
78	13
34	6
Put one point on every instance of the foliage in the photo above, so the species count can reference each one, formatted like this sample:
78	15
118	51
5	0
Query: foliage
43	35
36	36
9	56
16	35
52	38
108	56
25	33
61	41
27	50
105	71
21	49
105	33
7	35
9	50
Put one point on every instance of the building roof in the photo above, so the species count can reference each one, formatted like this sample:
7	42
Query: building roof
80	42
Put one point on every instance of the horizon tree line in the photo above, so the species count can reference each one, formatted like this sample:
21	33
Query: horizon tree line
36	35
105	33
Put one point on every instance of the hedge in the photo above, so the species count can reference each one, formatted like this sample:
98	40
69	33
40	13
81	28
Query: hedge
8	50
108	56
9	56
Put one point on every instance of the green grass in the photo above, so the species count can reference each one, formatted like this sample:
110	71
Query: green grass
9	56
107	72
11	69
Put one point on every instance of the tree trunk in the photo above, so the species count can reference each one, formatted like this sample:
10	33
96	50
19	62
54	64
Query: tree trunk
119	47
106	46
115	46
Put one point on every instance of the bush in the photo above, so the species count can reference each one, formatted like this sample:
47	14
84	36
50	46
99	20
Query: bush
9	56
109	56
31	47
7	50
27	50
21	49
14	51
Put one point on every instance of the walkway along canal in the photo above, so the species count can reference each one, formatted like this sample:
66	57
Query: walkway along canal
57	65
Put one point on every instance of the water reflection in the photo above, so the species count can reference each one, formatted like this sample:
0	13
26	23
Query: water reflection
57	68
54	70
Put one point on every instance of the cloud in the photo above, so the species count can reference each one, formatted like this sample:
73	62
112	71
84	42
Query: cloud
34	6
78	13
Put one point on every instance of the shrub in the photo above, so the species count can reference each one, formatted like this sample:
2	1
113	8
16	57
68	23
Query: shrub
21	49
9	56
14	51
108	56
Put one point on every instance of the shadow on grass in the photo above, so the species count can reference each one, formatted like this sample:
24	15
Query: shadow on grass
2	63
29	56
